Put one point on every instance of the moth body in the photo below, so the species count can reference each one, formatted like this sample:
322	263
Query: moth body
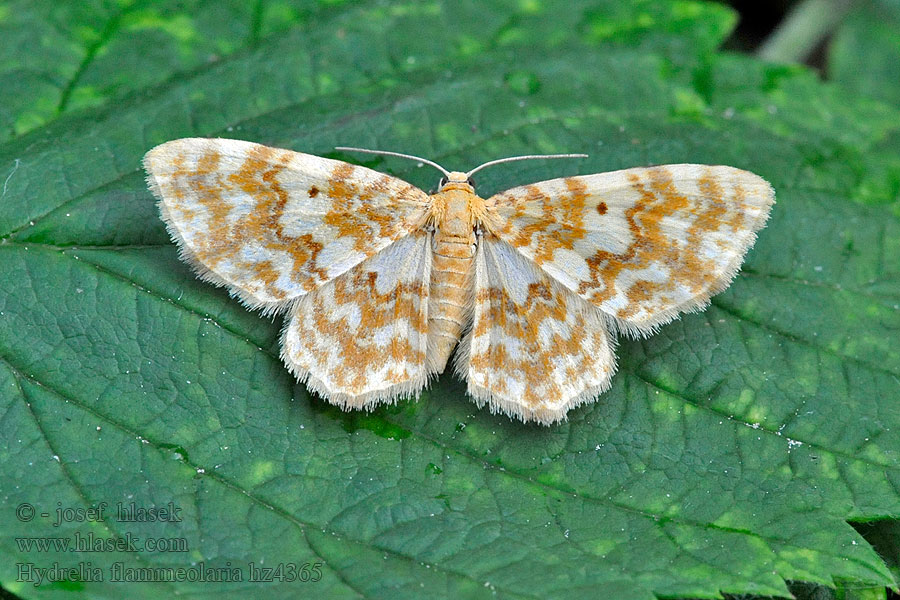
453	216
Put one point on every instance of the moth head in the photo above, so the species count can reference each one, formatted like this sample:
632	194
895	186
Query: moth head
455	180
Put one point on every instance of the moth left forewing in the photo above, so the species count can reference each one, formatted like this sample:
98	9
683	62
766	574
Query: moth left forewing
534	350
271	224
643	245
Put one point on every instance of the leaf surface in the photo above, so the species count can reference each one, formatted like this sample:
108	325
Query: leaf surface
729	456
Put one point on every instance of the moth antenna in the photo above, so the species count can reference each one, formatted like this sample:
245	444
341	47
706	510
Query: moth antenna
525	157
401	155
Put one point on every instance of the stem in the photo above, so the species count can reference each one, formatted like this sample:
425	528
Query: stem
803	29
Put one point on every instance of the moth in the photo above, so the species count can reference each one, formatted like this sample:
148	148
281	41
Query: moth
381	281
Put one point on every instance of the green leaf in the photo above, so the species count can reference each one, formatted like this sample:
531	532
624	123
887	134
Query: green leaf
729	456
59	56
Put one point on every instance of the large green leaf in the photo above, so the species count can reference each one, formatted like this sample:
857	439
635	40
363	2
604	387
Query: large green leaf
730	454
57	56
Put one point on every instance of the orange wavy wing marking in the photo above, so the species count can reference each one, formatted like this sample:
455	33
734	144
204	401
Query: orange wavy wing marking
535	349
271	224
641	244
360	339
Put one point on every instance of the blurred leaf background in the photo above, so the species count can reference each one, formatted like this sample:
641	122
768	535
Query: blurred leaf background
749	450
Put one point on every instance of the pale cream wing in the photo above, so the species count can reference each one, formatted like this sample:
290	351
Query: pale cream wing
272	224
535	349
361	338
644	244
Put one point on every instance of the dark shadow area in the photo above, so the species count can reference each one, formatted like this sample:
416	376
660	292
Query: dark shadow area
884	535
757	20
4	595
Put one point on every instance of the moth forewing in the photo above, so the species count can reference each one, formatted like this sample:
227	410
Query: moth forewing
273	225
643	244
